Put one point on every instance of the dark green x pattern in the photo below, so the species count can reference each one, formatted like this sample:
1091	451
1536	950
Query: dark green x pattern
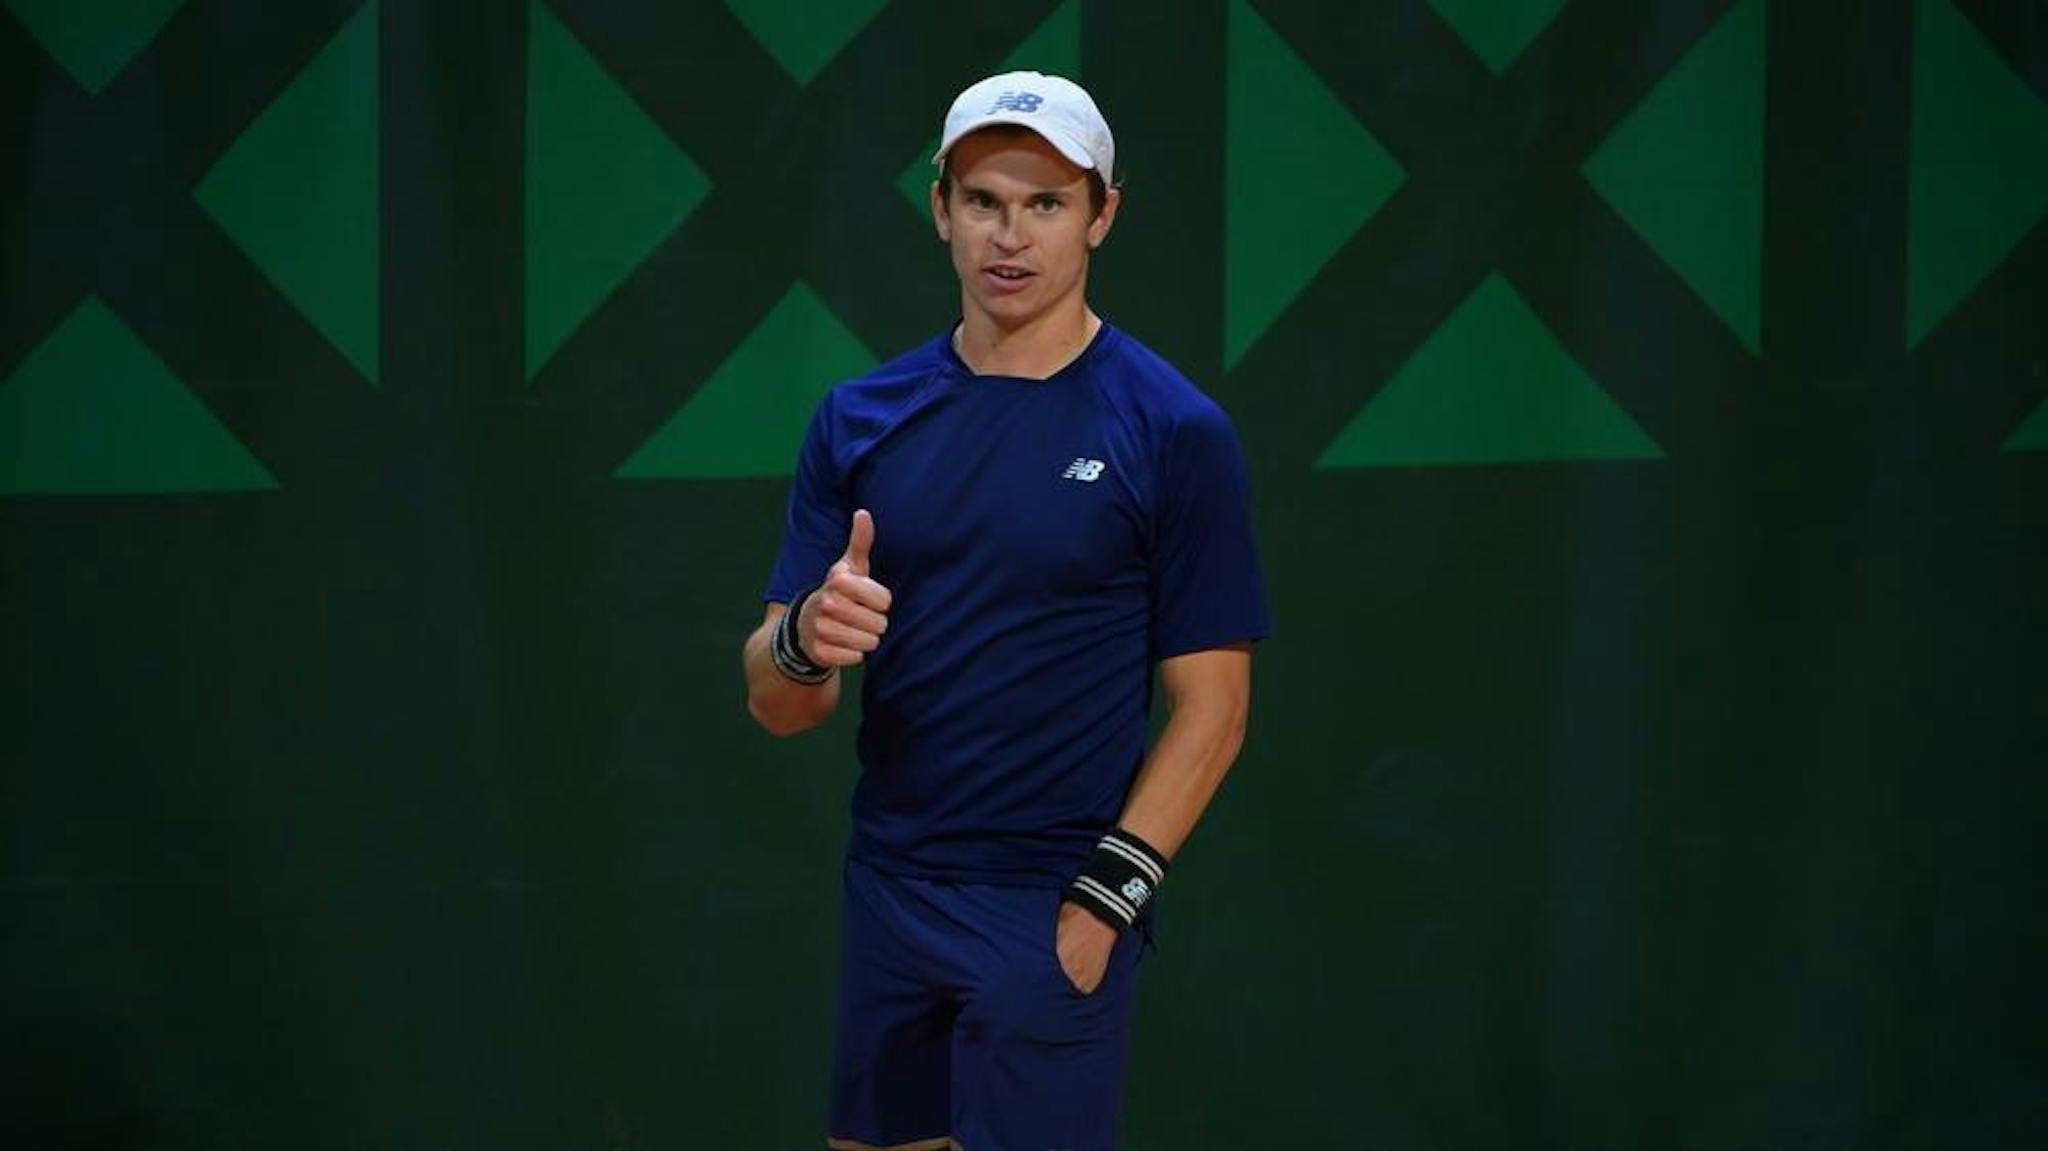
112	214
1494	183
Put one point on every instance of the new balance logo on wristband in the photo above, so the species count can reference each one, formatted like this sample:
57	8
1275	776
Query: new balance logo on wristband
1119	879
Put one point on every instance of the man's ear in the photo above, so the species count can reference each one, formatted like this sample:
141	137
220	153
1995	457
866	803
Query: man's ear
940	220
1098	228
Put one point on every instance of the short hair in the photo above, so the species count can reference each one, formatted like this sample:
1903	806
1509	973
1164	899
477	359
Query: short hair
1098	188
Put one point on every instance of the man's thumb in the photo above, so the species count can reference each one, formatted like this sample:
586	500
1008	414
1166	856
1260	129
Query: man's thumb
858	543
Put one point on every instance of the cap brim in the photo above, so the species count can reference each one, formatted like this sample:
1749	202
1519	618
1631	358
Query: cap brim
1064	144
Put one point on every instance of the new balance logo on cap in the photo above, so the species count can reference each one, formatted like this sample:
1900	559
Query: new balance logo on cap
1085	470
1017	102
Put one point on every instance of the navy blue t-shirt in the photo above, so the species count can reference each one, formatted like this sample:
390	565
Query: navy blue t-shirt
1046	542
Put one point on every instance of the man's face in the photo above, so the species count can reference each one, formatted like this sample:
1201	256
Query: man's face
1020	225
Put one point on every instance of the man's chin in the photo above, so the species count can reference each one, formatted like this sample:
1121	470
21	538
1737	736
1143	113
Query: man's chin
1009	311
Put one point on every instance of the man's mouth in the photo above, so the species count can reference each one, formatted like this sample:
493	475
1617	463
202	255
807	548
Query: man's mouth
1006	278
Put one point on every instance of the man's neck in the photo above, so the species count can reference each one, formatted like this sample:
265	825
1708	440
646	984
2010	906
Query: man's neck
1034	351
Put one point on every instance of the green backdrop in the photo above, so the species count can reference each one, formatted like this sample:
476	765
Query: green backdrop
1646	407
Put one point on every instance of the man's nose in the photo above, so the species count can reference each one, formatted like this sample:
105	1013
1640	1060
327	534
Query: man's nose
1010	232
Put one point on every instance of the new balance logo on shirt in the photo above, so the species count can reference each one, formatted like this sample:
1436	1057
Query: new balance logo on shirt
1085	470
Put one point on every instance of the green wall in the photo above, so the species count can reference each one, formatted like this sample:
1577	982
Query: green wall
1647	409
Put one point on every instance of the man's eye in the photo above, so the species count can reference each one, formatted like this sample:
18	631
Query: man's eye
1047	204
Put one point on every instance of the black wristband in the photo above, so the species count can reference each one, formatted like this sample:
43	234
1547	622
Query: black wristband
788	655
1119	879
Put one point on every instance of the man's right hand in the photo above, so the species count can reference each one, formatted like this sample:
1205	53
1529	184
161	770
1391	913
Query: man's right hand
844	619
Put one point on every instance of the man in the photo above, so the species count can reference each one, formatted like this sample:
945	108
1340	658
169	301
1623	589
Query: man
1010	526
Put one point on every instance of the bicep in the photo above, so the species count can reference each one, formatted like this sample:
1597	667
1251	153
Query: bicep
1206	585
814	530
1219	677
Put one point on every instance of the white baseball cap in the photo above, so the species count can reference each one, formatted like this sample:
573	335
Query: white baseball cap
1055	108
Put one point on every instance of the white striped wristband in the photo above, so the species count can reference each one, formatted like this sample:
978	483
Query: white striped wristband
1119	879
788	655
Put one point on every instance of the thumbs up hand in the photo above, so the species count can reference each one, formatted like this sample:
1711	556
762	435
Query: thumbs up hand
844	619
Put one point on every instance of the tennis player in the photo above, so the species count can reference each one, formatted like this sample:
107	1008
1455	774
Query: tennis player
1011	527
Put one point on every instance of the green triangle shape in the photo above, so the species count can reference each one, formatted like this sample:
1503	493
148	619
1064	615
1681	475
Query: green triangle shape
93	411
1686	169
1979	179
94	39
2031	436
1491	386
1498	30
604	185
748	418
298	192
1281	226
802	37
1054	47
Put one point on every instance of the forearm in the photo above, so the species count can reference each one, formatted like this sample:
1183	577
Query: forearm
1208	694
1186	765
780	704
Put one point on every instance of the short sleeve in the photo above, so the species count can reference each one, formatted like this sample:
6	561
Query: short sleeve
1207	586
814	536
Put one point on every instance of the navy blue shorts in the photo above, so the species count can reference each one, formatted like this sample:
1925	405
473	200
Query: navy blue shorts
957	1026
